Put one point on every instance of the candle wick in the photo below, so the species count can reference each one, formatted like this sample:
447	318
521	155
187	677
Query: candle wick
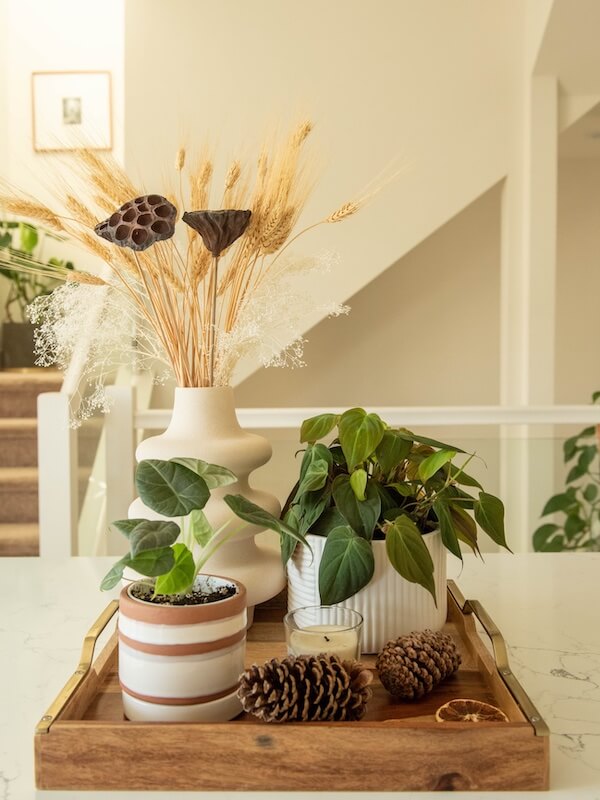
327	639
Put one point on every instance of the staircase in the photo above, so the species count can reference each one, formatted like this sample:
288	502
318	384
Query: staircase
18	458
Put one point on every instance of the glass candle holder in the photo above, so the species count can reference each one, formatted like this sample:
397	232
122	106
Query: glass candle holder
332	630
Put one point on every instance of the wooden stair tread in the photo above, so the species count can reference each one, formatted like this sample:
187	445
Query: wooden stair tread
18	424
19	539
12	476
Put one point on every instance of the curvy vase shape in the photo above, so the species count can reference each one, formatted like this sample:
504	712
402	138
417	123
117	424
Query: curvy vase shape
204	425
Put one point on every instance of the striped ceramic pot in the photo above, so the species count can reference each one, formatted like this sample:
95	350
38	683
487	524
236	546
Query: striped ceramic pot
182	663
390	605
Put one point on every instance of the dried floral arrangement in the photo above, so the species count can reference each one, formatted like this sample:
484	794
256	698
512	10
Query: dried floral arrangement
196	297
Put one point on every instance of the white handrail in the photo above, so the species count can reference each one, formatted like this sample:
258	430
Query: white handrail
406	416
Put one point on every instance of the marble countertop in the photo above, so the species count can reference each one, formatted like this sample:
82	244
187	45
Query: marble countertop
546	605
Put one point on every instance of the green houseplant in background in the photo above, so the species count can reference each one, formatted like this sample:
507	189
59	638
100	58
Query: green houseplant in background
579	503
29	275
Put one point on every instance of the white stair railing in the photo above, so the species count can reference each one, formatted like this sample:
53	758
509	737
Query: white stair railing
58	484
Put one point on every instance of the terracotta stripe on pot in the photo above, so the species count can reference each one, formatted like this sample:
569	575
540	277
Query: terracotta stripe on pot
179	701
183	649
183	615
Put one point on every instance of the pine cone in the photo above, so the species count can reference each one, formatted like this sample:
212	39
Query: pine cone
306	689
412	665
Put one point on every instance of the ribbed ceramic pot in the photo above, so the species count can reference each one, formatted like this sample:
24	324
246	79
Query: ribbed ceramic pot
182	663
390	605
204	425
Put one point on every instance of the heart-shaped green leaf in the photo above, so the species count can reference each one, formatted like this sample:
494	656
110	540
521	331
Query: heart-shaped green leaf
360	435
464	527
181	575
169	488
449	537
430	465
311	506
315	476
255	515
361	516
317	427
347	565
153	562
213	475
392	450
126	526
408	554
152	535
358	482
544	538
489	514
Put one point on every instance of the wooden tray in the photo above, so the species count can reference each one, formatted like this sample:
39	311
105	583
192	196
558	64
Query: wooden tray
83	741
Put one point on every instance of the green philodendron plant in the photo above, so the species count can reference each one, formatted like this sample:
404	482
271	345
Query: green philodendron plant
164	550
378	482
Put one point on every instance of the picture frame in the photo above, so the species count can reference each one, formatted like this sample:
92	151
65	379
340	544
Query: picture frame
71	110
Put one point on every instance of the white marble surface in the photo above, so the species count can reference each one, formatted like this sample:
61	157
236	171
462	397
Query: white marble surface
546	605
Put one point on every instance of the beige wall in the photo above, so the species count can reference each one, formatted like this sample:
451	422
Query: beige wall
382	80
426	332
578	280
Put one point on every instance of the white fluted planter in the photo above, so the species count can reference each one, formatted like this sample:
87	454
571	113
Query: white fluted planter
204	425
390	605
182	663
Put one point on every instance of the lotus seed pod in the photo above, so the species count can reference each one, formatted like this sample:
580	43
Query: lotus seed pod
140	223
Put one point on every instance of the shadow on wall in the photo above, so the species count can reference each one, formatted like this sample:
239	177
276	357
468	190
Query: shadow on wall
426	332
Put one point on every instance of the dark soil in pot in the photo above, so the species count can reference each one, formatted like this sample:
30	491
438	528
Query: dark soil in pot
195	597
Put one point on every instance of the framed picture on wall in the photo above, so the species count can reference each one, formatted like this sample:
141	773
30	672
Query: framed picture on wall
71	111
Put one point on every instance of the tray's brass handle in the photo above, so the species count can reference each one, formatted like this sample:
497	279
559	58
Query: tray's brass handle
501	659
84	666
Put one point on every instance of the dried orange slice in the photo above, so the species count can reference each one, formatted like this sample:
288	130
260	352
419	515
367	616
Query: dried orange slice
469	711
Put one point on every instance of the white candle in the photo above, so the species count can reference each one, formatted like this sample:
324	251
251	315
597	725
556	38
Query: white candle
330	639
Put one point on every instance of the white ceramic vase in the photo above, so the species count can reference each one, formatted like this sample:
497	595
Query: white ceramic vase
182	663
390	605
204	425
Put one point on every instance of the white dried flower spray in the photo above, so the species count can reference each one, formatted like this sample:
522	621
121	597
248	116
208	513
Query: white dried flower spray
270	325
104	321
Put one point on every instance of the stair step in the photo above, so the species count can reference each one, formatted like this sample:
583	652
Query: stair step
18	442
19	539
19	390
18	494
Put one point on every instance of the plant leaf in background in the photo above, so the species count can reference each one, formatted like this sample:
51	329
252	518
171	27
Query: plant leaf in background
169	488
213	475
347	565
317	427
360	434
152	535
409	555
361	516
181	575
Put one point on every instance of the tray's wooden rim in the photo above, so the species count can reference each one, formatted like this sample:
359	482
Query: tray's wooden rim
466	607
